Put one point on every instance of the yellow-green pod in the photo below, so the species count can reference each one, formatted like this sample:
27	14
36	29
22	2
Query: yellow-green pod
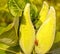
42	15
44	12
46	33
27	36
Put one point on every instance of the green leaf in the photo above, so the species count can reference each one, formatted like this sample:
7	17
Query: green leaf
21	3
14	8
57	38
3	46
36	2
3	3
33	13
9	37
17	6
5	49
5	19
55	48
2	52
8	32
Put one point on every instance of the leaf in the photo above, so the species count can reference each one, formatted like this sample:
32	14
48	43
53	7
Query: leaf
33	12
21	3
57	38
9	38
17	6
3	3
4	23
3	46
2	52
14	8
5	49
36	2
56	51
55	48
8	33
27	34
46	33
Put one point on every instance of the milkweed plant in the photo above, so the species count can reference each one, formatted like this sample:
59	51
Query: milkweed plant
26	28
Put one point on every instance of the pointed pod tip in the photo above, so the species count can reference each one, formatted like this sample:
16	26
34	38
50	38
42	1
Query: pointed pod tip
45	3
52	9
52	12
28	5
27	8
